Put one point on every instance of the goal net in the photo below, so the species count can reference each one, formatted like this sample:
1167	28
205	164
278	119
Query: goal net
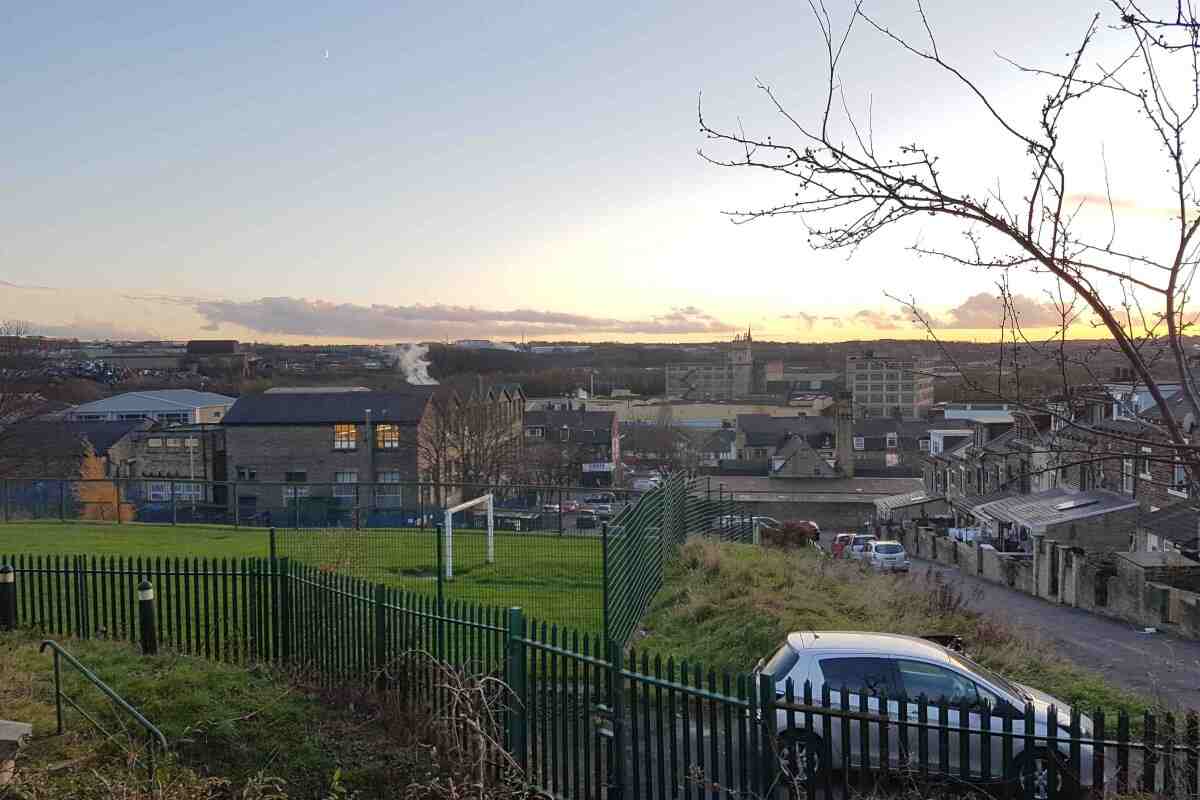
448	555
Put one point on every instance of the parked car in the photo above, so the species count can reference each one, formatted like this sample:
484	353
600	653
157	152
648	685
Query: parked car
887	556
603	511
550	508
570	506
840	542
586	519
858	546
871	666
601	498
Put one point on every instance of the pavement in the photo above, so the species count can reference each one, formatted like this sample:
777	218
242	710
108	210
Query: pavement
1158	665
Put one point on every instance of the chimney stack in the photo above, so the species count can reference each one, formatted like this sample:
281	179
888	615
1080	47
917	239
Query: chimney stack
845	434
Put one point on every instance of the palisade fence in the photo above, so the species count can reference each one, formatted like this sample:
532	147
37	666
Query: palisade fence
587	719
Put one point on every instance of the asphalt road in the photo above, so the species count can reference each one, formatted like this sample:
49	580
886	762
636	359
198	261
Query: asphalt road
1157	665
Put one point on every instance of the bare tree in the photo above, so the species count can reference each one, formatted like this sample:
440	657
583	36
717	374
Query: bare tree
847	188
20	399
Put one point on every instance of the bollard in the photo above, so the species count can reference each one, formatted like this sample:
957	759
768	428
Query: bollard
8	598
148	619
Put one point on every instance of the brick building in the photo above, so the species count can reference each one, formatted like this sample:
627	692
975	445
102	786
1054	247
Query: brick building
284	446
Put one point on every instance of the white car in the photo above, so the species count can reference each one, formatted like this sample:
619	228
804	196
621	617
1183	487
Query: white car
869	667
857	549
887	556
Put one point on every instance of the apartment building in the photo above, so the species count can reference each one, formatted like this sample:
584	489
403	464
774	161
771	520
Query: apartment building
887	386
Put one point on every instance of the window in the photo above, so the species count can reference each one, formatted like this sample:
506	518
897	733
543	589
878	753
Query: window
247	474
860	443
936	683
893	441
296	476
533	433
158	492
189	492
291	493
387	493
1179	479
564	434
1144	464
387	436
345	436
174	442
154	443
1127	475
344	489
871	676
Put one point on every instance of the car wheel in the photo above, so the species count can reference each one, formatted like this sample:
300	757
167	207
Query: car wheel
1035	768
802	757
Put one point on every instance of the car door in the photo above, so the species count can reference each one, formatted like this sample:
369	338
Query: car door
947	692
862	680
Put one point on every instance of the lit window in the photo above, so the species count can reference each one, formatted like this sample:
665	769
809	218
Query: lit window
387	436
345	436
154	443
174	442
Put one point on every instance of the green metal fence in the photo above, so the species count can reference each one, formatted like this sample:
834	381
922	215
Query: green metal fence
585	718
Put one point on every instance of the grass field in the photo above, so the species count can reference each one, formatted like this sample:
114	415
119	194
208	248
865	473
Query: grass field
556	579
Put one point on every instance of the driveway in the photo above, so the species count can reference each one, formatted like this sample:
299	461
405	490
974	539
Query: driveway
1157	665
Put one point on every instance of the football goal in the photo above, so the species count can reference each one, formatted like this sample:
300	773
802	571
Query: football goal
448	554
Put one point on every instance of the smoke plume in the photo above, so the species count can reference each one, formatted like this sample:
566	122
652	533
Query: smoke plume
410	360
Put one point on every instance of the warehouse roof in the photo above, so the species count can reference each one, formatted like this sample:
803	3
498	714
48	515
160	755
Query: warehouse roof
405	405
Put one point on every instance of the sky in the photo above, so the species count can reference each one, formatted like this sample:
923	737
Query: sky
391	171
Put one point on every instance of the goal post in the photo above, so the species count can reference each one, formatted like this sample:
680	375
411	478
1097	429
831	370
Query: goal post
485	500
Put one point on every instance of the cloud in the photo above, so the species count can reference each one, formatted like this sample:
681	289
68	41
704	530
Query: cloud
294	316
807	321
91	329
880	320
980	311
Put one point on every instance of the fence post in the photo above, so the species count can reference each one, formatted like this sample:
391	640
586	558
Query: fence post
604	577
8	598
4	497
560	511
616	703
381	681
515	678
62	501
147	618
283	581
272	544
237	507
174	506
117	498
766	713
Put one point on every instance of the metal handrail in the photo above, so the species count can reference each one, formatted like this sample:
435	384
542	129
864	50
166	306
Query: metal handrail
154	735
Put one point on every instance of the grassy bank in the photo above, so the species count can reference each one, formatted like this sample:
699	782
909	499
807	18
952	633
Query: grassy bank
727	605
228	728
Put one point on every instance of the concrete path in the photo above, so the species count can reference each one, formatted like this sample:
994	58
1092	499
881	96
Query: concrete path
1157	665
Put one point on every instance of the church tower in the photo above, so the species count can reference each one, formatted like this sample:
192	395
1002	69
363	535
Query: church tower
741	359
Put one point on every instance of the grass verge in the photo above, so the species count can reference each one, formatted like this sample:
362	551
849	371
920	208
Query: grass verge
727	605
234	732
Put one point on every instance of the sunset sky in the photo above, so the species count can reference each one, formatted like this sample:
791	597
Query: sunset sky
371	171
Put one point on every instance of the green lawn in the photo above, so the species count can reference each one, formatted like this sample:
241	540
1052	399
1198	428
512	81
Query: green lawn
556	579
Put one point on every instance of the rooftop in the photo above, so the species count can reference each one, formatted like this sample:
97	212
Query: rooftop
1055	506
1164	558
314	408
1179	523
157	400
762	489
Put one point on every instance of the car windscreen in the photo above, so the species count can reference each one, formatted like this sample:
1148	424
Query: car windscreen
967	665
863	539
782	662
888	549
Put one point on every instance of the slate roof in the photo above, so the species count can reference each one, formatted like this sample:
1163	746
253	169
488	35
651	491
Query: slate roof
1179	523
797	452
907	500
315	408
600	422
1037	511
763	430
159	400
49	434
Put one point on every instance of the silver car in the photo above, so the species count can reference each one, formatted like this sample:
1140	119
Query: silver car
875	665
887	557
